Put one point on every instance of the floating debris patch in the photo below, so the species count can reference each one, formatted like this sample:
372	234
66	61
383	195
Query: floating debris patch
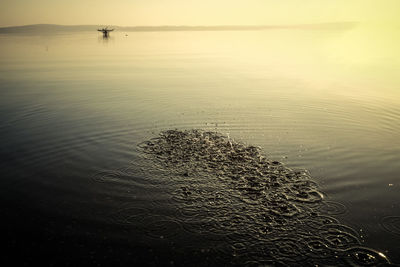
258	210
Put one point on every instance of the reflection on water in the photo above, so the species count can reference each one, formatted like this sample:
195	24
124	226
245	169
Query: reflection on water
76	187
105	39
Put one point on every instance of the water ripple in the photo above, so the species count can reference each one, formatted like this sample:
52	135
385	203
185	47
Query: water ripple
391	224
261	210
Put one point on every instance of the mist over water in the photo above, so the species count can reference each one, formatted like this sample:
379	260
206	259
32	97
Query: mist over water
76	110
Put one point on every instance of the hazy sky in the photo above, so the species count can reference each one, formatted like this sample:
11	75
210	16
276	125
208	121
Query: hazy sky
195	12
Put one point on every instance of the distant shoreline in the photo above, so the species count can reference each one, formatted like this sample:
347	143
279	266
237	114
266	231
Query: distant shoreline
53	28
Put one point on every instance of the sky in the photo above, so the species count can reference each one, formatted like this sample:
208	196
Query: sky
195	12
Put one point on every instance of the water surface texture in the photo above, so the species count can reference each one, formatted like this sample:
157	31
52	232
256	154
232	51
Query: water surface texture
79	112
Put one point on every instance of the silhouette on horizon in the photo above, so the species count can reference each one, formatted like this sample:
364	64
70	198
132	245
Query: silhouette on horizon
105	31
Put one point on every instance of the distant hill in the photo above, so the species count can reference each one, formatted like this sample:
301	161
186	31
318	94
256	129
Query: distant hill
47	28
53	28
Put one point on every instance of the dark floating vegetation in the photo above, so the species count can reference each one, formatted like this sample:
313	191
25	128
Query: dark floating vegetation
256	211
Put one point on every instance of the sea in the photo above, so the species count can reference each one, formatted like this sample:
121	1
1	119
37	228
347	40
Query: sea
78	113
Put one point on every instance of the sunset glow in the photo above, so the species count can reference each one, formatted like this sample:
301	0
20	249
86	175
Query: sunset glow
195	12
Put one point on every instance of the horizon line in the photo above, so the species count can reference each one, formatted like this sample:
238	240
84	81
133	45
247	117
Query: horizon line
182	25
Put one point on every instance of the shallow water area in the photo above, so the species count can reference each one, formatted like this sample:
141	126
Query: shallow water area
81	182
262	210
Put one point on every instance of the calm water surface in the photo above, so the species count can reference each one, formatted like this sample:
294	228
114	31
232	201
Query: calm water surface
75	107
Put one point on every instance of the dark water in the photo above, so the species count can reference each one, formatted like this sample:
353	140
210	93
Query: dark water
77	186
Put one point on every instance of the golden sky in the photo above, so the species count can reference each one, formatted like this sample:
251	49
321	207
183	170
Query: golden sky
195	12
